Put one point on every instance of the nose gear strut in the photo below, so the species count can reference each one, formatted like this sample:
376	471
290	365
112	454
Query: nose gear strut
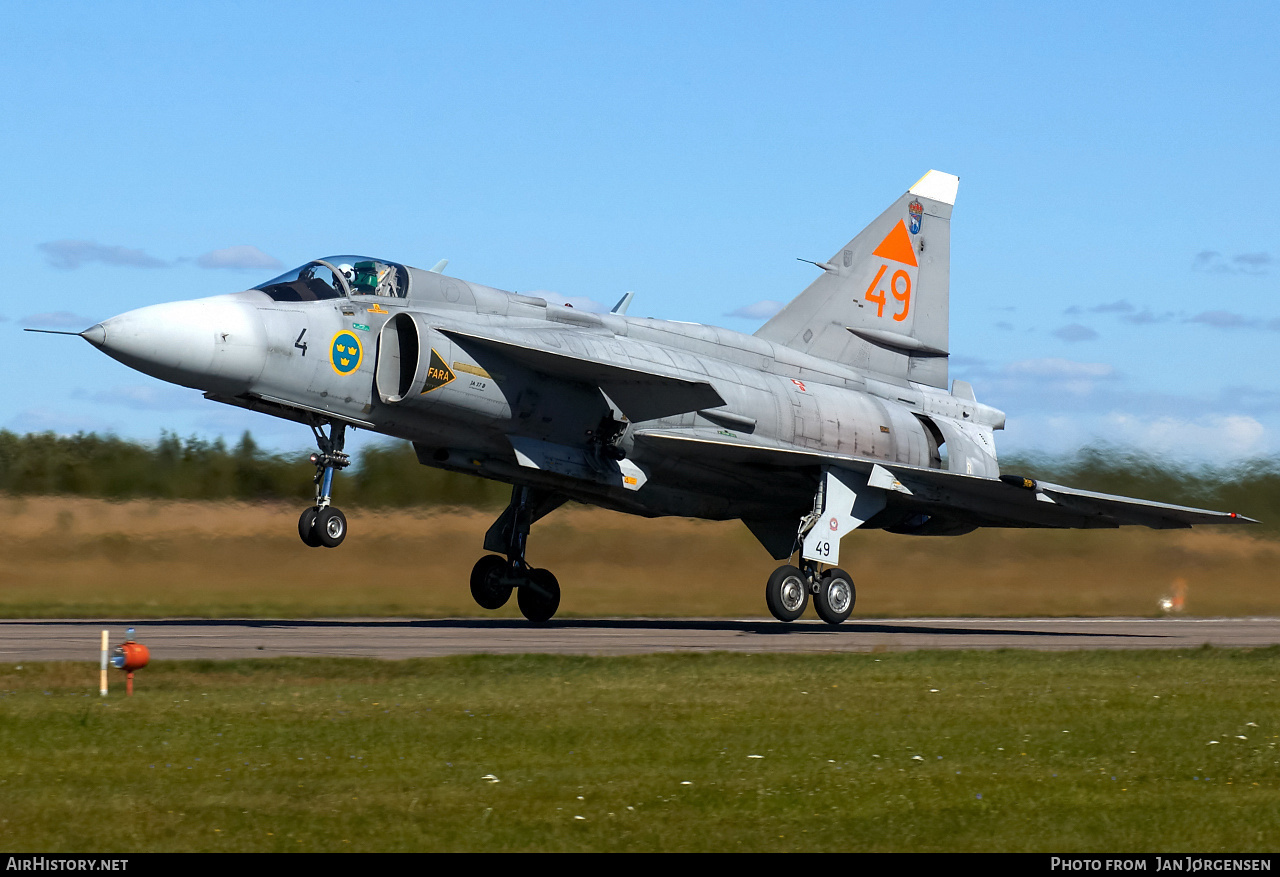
323	523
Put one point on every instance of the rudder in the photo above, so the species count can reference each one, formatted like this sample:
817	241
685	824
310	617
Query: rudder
882	303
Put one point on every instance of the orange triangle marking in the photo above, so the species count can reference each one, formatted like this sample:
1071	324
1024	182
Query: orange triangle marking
897	246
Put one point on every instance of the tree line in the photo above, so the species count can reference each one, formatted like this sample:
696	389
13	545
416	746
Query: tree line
110	467
389	474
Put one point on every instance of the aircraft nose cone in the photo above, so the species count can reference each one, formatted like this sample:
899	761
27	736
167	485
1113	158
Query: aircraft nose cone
95	335
213	344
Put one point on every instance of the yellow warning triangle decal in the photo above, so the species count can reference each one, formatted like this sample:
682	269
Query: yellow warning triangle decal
438	374
897	246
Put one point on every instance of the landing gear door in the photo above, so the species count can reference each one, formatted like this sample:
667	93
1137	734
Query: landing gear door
848	502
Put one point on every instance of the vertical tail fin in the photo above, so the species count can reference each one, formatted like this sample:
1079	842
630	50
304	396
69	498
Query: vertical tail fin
882	302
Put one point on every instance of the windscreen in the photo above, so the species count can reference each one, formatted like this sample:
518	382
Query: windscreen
339	276
314	281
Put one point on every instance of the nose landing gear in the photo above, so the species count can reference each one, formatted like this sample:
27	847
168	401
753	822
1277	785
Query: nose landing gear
324	524
493	578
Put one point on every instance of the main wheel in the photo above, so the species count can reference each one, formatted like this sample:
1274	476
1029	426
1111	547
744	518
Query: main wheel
538	596
307	528
487	587
331	524
787	593
835	597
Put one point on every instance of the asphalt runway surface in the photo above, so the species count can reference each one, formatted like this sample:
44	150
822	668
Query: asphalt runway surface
391	638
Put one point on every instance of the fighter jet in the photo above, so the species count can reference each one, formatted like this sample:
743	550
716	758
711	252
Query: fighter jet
836	415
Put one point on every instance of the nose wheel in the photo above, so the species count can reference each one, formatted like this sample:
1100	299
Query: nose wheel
325	527
324	524
307	528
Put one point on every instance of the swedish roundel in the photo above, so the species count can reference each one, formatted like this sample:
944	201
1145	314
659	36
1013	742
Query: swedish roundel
345	353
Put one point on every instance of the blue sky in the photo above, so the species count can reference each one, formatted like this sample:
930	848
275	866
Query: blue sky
1115	246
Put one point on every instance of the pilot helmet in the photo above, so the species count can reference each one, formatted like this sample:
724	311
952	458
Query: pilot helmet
348	272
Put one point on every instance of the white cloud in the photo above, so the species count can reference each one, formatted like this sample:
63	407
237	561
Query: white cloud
1034	384
1231	435
1214	437
1056	368
71	254
241	258
1224	320
1230	320
58	320
57	420
1115	307
1146	317
1074	332
761	310
1243	263
145	397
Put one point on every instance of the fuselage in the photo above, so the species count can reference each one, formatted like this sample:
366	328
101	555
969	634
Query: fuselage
397	360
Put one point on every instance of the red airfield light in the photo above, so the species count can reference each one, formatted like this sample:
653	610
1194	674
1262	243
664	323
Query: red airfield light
130	656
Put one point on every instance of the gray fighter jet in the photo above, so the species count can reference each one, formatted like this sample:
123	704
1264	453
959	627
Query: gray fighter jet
835	415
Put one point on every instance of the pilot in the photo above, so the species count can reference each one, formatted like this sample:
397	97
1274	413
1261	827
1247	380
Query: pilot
350	274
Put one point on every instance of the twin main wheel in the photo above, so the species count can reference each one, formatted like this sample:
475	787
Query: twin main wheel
538	595
835	597
489	585
787	594
537	590
326	526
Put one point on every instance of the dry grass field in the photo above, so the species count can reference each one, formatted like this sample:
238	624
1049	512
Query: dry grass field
147	558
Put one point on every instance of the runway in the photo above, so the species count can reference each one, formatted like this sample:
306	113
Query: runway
394	638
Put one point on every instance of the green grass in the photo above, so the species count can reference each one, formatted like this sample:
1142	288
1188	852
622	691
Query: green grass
1085	751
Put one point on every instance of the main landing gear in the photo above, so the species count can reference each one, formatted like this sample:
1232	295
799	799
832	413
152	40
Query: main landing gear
323	524
843	502
788	590
493	578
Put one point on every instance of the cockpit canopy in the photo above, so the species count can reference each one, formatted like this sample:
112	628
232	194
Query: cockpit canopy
339	277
